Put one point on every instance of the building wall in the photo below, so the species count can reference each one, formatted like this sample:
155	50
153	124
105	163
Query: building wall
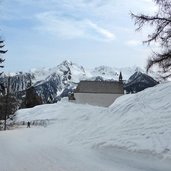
96	99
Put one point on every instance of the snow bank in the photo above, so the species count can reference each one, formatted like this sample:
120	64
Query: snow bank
144	120
139	122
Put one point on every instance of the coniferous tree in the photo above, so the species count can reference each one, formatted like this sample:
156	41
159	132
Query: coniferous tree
31	99
161	22
2	88
8	108
2	52
8	105
3	113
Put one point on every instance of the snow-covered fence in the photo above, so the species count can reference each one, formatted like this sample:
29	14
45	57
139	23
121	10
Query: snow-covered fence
40	122
43	122
9	125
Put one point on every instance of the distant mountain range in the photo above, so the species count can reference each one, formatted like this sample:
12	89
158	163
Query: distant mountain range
55	83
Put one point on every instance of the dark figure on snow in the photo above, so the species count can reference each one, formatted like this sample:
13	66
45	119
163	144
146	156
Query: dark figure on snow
28	124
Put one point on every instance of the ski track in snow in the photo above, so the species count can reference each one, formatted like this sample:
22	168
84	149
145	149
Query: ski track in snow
27	150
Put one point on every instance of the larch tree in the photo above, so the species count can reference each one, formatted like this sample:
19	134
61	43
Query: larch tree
161	24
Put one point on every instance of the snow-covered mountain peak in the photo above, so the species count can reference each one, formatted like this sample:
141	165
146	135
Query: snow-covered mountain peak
63	78
74	72
138	82
69	66
66	63
106	72
65	68
104	69
138	76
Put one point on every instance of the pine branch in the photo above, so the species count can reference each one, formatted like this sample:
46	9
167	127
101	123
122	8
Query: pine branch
3	51
1	46
2	60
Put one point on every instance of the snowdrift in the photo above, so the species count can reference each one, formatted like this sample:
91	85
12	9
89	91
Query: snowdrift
139	122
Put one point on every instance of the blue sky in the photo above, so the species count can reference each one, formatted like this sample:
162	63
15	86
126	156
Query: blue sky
43	33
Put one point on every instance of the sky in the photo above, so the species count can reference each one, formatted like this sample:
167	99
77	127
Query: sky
91	33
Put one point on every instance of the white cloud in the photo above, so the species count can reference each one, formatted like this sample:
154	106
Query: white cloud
68	27
77	20
106	33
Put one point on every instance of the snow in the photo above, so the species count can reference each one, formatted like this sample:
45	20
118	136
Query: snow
80	73
133	134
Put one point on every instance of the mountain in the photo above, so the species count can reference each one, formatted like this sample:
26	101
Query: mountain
48	82
113	73
18	81
54	83
138	82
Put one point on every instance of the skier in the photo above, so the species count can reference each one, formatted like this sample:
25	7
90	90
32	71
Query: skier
28	124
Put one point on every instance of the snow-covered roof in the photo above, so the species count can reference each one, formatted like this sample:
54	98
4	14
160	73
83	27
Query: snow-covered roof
113	87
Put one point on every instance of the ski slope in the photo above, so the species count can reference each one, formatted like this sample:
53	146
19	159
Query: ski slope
38	148
133	134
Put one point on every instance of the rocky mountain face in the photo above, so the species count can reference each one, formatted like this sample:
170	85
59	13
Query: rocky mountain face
138	82
50	84
54	83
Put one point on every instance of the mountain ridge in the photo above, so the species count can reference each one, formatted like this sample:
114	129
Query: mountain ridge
56	82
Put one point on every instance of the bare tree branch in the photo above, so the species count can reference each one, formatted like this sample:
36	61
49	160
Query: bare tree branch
161	22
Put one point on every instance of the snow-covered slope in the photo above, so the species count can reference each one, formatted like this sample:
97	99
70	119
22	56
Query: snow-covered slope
139	122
